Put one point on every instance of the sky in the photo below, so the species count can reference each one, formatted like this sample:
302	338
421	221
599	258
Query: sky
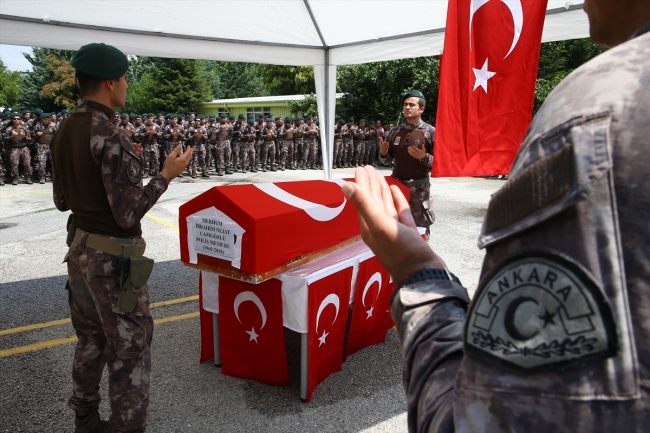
13	58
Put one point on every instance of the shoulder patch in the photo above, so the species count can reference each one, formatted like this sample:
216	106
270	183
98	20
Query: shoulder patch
537	312
134	170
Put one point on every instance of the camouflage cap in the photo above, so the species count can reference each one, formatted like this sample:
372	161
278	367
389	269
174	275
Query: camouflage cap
413	94
100	61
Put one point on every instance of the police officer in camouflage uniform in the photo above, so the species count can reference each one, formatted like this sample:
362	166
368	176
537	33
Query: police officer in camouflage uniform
97	175
338	144
18	136
310	145
557	336
410	145
148	135
42	134
347	149
247	140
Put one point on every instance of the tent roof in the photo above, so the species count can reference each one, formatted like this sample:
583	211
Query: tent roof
287	32
262	99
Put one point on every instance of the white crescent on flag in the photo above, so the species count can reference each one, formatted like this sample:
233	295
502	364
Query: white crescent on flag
316	211
517	17
250	296
329	299
376	278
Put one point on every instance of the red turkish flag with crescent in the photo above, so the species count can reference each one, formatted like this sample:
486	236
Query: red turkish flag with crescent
329	302
371	310
487	84
251	333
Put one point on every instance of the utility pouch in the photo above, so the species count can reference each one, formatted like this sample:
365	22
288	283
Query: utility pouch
428	212
135	271
72	228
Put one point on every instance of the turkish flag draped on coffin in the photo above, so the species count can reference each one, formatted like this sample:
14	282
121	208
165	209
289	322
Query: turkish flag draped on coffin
371	310
251	333
487	84
329	300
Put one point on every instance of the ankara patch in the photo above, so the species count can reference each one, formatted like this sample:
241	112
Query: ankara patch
134	170
540	311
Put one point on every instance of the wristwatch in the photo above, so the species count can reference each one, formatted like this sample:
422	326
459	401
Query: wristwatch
429	274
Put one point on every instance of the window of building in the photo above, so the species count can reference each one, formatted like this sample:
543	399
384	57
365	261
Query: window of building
256	111
223	110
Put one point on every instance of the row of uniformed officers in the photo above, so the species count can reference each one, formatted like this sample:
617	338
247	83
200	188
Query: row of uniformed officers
227	143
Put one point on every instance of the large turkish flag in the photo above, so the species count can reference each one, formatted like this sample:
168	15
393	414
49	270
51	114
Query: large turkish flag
329	302
487	84
251	333
371	310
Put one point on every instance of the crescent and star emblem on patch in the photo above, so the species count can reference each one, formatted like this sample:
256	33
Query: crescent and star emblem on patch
134	170
540	311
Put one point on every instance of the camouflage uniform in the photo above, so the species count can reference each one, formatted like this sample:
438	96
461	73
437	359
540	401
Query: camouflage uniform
247	139
150	154
310	147
172	141
196	137
286	146
106	337
268	148
19	151
259	139
235	144
359	146
298	133
223	152
557	337
370	147
43	146
347	147
412	173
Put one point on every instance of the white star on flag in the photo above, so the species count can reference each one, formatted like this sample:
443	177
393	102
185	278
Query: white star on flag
253	335
482	76
322	338
369	312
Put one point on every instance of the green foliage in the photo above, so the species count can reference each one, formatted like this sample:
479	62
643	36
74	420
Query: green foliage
10	86
304	107
288	80
42	73
375	90
557	60
233	80
172	85
63	88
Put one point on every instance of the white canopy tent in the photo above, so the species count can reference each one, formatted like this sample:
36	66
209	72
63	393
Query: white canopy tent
322	33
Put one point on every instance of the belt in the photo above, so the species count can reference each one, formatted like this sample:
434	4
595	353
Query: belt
114	246
413	182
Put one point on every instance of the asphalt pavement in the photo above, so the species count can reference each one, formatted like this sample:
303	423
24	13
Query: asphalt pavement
36	344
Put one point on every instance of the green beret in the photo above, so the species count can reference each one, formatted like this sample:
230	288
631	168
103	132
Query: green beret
38	111
100	61
241	116
58	114
251	122
45	115
413	93
261	116
64	111
351	119
15	115
269	115
308	118
159	114
362	120
179	117
124	116
341	121
288	119
223	115
150	115
299	118
232	118
213	118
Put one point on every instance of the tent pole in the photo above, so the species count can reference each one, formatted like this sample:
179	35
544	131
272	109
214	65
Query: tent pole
327	149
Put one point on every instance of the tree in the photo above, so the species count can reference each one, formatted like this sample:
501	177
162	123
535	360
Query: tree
234	80
557	60
63	89
175	85
304	107
288	80
10	86
375	90
40	75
